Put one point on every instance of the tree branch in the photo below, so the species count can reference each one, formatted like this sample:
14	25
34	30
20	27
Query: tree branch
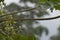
12	13
41	19
28	18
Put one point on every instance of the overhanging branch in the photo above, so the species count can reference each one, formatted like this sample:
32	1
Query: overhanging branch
41	19
28	18
12	13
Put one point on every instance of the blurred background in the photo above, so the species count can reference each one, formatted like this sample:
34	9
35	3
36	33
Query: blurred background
41	29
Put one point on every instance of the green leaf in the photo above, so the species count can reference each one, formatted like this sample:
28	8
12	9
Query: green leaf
55	1
24	37
1	0
16	37
42	1
31	37
57	7
8	38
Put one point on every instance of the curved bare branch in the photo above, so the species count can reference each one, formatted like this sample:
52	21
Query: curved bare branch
12	13
29	18
41	19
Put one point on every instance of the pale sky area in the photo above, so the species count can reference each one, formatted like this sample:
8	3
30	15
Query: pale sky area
52	25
